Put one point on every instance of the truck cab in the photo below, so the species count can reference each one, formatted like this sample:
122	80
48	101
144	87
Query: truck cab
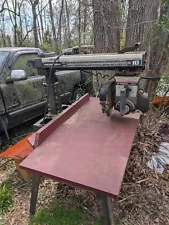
22	92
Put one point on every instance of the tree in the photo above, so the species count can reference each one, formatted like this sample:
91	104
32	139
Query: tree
68	24
106	25
145	24
34	4
14	13
142	16
53	26
59	34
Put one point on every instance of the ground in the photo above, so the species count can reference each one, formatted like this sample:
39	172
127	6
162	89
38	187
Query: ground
144	197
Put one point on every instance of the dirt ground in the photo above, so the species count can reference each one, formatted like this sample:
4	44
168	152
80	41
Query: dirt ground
144	197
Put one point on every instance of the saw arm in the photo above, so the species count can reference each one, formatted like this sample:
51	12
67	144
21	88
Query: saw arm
121	93
128	61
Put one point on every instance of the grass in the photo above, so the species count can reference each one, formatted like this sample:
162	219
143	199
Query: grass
58	215
6	196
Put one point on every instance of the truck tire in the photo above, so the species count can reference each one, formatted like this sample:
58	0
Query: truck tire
77	93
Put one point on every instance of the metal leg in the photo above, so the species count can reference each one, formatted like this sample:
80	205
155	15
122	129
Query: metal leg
104	210
34	193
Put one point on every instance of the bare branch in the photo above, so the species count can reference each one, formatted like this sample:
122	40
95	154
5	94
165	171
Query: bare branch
29	31
40	11
7	9
2	7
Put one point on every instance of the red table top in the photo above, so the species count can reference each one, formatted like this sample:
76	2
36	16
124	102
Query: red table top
89	150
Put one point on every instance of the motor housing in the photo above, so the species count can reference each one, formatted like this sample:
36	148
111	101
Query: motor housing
123	94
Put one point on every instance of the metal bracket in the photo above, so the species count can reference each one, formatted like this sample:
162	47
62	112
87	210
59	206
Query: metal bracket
124	108
123	102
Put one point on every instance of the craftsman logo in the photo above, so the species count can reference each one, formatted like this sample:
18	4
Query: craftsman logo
136	63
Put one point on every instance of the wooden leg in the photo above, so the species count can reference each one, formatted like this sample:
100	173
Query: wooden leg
104	210
34	193
25	174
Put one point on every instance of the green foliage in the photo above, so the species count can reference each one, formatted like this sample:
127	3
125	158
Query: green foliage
8	41
6	197
161	28
5	41
27	43
165	16
46	47
60	216
123	40
163	84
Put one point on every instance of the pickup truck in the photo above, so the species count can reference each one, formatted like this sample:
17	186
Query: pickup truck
22	92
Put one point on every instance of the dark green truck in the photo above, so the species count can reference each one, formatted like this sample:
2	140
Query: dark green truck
22	92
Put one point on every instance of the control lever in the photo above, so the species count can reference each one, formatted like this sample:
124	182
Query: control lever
124	93
123	102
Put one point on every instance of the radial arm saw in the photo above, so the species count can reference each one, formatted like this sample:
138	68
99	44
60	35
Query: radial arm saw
122	91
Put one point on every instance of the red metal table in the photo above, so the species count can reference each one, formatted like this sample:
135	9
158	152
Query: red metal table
88	150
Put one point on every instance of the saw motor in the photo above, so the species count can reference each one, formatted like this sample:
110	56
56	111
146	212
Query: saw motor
123	94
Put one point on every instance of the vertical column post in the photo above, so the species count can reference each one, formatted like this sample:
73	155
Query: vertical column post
34	193
104	210
50	81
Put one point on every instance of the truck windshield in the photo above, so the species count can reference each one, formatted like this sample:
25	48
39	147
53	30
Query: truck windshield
3	57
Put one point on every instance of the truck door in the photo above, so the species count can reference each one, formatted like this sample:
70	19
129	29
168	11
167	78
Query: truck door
68	80
27	96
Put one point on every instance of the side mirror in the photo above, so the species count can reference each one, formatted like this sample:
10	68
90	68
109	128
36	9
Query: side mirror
16	75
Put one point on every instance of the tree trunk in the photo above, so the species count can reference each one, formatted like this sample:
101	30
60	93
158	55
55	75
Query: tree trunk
106	26
44	21
106	31
68	24
25	20
36	41
41	22
59	35
3	31
84	21
144	25
15	24
142	16
79	24
53	26
39	31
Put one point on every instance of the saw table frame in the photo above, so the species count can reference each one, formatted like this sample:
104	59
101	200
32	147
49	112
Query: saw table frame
102	185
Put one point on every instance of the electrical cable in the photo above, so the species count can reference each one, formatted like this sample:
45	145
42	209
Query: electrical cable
96	75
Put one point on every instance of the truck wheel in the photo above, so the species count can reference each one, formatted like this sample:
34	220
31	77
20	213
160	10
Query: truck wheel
77	93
